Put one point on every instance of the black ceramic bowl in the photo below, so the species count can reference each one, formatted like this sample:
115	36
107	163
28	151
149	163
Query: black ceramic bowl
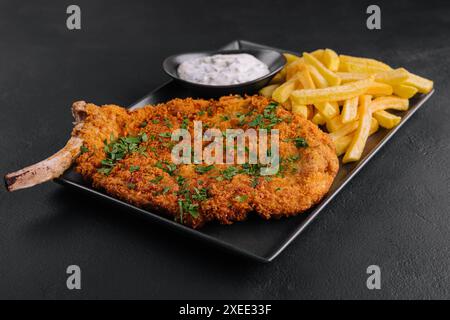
273	59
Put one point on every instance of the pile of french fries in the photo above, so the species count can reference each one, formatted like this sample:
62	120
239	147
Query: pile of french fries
346	95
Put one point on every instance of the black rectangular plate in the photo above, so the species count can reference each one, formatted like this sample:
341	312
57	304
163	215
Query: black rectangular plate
255	238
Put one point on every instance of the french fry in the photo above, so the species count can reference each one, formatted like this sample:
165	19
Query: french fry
405	91
350	66
327	109
335	106
267	91
279	77
282	93
329	75
344	130
334	124
383	103
301	110
330	60
342	143
422	84
372	63
318	54
356	147
295	67
304	77
380	89
352	76
387	120
318	119
319	80
290	57
316	84
344	92
349	110
374	126
392	77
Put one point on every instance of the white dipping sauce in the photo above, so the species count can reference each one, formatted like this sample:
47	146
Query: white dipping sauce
222	69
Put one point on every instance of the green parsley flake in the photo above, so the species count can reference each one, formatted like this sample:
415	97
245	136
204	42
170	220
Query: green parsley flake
203	169
241	198
134	168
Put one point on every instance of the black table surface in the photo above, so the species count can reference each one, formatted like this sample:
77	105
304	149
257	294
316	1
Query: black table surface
394	214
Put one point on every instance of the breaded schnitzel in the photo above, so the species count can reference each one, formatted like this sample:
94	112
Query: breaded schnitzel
128	155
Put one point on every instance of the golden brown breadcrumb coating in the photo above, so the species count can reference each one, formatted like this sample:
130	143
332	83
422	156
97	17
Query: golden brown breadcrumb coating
148	179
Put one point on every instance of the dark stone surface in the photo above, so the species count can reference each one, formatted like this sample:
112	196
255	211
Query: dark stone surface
395	213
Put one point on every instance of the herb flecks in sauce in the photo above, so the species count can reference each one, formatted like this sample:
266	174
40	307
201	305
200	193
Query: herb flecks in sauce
222	69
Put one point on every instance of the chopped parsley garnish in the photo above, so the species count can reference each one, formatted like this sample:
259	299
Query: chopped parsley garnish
203	169
242	198
166	166
156	180
171	167
224	118
200	194
230	172
167	123
268	119
186	206
185	123
241	119
257	121
84	149
299	142
165	190
134	168
293	158
155	121
104	171
165	134
153	149
270	115
144	137
180	180
118	148
251	169
131	186
143	124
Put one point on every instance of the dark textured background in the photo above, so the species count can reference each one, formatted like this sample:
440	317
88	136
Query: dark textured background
395	213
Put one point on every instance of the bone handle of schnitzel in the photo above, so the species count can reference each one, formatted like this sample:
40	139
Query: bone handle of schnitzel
53	166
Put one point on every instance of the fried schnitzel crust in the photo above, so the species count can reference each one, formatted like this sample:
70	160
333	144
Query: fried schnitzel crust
303	183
